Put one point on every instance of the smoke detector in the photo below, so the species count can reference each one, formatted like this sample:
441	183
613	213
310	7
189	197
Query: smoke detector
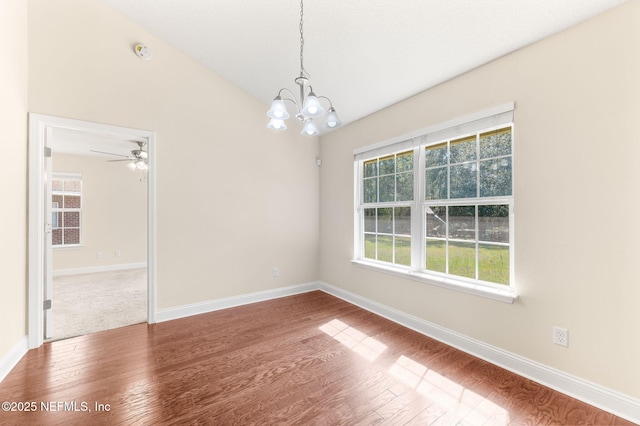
142	51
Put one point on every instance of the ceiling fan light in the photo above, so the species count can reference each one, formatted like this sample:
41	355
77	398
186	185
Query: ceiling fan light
131	166
143	154
278	109
312	107
309	128
141	165
276	124
332	119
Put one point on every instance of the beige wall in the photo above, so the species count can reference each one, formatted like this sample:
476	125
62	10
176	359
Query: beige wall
577	145
114	214
250	195
13	167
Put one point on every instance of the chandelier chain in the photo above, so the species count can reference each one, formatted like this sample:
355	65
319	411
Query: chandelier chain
303	72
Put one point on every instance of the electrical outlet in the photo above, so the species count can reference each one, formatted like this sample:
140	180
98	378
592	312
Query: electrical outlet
99	254
117	253
561	336
276	272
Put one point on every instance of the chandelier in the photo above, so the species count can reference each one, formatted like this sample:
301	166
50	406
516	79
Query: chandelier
308	107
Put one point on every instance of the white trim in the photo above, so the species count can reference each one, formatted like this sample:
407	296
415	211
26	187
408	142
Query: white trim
506	295
606	399
230	302
13	357
94	269
496	116
39	126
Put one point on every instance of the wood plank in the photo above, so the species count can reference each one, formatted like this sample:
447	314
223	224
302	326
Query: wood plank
304	359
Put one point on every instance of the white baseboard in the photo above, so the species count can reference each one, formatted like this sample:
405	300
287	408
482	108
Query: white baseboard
13	357
614	402
101	268
230	302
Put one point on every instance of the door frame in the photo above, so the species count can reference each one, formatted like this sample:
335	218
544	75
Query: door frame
40	127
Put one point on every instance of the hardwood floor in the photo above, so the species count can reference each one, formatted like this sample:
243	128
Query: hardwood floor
309	359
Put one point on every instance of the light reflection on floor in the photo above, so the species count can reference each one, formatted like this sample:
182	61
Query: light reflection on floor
461	404
456	399
353	339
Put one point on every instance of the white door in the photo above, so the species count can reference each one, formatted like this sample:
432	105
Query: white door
48	243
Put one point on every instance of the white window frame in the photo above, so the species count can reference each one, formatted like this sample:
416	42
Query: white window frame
55	210
494	118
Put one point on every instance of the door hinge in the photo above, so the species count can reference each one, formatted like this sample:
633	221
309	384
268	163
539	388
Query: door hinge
47	304
47	152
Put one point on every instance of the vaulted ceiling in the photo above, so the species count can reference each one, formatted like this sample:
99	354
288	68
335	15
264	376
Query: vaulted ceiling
363	54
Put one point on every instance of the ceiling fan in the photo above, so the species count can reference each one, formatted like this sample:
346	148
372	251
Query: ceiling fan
137	159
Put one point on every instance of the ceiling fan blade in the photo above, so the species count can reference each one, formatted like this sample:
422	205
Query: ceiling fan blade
109	153
125	159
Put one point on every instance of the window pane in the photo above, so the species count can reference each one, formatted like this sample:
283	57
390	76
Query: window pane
387	165
56	220
72	186
71	201
495	143
404	186
463	149
495	177
436	184
404	161
57	201
370	246
402	216
56	236
436	155
71	220
403	251
493	223
387	188
463	180
385	248
72	236
436	255
385	220
371	190
437	222
371	168
57	185
493	263
462	222
369	220
462	259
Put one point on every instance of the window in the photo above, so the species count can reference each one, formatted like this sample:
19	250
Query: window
66	211
439	206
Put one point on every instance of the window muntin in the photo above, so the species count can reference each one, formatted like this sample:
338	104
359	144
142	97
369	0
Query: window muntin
66	203
462	210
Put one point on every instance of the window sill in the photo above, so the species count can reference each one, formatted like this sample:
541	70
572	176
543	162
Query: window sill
506	295
68	247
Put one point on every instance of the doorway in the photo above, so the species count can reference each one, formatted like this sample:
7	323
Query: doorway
45	133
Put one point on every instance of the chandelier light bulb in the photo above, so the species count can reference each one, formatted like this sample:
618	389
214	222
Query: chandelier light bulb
312	107
276	124
309	128
278	109
332	119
